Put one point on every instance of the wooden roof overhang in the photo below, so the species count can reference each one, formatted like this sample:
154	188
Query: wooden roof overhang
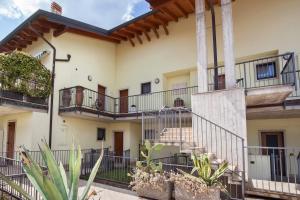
42	22
163	12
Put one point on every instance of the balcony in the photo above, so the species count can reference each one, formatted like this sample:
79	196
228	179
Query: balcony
83	100
267	81
12	102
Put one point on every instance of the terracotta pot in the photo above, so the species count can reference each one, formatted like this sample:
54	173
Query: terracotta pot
156	193
66	98
182	193
79	96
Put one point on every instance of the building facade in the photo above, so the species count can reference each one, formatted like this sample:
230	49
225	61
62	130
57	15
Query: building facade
149	63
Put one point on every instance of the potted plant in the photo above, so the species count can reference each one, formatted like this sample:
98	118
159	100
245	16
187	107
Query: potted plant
79	95
66	97
202	183
148	179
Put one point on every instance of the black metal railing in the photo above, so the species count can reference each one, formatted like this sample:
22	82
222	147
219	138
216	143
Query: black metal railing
275	169
80	97
12	95
193	133
262	72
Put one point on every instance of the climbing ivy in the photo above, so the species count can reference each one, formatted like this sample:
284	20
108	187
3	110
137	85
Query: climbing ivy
22	73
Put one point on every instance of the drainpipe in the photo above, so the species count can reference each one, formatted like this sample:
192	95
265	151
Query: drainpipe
214	35
54	60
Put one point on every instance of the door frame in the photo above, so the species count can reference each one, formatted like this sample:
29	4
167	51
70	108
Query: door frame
120	100
275	132
14	142
114	139
99	96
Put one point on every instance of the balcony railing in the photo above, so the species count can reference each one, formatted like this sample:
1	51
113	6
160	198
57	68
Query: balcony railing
274	169
83	98
268	71
14	97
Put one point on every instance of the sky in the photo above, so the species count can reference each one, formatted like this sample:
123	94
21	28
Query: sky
102	13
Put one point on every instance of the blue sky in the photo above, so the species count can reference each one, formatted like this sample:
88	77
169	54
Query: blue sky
102	13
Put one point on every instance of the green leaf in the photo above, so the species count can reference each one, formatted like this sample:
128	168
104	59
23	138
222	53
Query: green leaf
75	176
54	170
158	147
15	186
51	190
92	176
64	177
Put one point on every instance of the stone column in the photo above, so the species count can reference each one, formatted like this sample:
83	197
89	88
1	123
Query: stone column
201	46
230	79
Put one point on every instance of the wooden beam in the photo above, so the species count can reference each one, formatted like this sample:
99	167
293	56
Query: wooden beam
166	11
139	38
181	9
147	36
166	29
161	19
135	29
30	32
125	34
156	32
152	23
131	42
146	27
93	35
48	24
60	31
40	29
25	35
129	31
117	36
25	40
191	3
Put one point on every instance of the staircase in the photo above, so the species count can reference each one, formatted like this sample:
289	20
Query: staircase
195	134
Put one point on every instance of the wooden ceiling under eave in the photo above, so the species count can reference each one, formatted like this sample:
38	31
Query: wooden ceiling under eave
159	17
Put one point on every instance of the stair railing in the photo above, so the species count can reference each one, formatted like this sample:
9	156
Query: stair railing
191	132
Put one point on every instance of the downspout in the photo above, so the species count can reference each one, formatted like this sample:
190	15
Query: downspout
54	60
214	35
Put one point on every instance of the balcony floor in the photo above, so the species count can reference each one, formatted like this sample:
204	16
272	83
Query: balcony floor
271	95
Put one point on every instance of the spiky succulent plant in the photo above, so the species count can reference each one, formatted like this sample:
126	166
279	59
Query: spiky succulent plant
55	184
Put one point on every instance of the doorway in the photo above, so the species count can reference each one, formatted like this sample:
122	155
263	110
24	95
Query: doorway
124	101
275	143
119	143
101	98
11	132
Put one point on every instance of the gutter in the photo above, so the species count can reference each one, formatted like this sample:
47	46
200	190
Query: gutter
54	60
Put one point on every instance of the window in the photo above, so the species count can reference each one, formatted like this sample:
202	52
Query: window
146	88
101	134
266	70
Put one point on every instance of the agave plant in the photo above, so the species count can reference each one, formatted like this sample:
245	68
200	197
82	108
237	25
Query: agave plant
204	173
150	166
55	184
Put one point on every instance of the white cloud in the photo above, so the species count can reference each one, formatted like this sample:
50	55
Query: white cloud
128	15
101	13
16	9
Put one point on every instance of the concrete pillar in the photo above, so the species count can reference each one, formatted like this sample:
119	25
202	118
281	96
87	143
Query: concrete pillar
230	79
201	46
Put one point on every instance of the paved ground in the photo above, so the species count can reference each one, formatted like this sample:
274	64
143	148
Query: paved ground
106	192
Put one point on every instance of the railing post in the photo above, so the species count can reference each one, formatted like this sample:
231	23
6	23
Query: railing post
294	70
245	77
180	129
243	174
143	127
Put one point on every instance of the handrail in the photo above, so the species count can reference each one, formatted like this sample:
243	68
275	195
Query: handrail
189	110
254	60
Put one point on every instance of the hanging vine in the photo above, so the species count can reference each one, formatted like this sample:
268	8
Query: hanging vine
22	73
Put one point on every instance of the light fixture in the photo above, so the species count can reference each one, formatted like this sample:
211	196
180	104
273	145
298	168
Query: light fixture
156	81
90	78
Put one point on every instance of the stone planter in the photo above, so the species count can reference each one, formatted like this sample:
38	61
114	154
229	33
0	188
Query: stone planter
182	193
12	95
37	100
66	97
79	96
156	193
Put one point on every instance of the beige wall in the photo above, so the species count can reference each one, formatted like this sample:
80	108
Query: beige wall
290	127
259	26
